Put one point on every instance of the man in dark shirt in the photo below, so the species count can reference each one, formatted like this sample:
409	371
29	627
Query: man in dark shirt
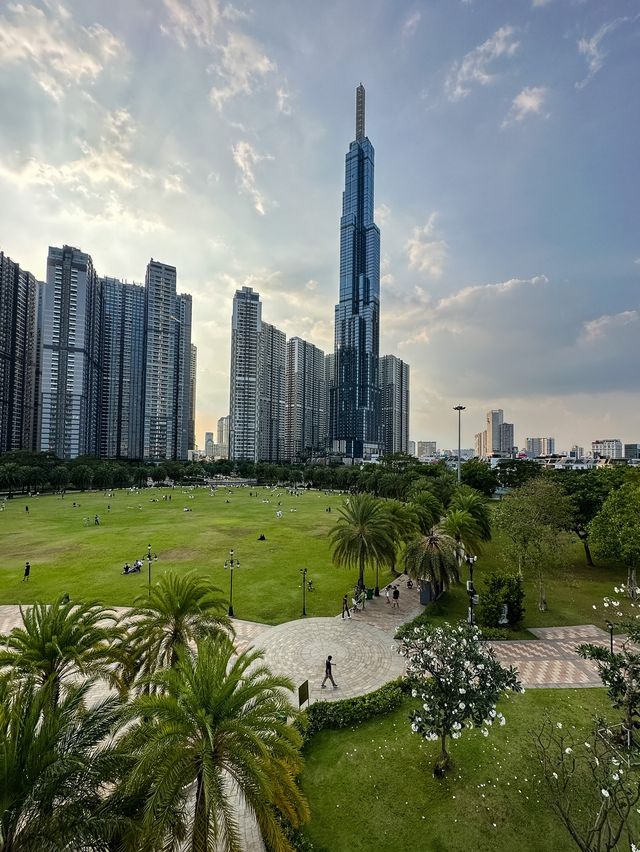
327	673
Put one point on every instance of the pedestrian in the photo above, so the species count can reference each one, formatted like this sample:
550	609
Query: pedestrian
27	571
396	597
345	606
96	520
387	593
328	665
26	508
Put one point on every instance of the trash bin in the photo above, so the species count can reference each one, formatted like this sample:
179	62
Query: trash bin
426	593
370	594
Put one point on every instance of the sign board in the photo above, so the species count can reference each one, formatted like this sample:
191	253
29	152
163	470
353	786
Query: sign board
303	693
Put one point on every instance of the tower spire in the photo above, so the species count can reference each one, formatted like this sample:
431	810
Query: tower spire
360	113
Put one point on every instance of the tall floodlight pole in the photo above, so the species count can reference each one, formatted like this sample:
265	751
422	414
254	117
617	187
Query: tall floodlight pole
459	409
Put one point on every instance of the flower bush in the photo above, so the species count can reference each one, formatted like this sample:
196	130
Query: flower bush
458	681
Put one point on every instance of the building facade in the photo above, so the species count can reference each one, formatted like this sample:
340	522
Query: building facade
192	412
272	353
208	444
394	395
19	356
355	394
244	392
632	451
427	449
71	338
122	361
222	431
607	448
506	438
305	400
540	447
182	409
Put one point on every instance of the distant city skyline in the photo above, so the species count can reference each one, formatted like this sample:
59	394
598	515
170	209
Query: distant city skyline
507	184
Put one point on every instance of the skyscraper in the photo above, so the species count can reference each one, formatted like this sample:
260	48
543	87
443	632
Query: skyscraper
123	360
355	396
19	361
208	444
394	392
244	392
272	356
305	400
182	406
494	420
71	335
222	434
192	413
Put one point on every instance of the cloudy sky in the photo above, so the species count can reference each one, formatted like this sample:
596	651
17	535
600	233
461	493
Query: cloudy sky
212	135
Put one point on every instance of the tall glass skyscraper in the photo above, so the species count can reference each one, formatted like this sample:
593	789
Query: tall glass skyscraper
355	395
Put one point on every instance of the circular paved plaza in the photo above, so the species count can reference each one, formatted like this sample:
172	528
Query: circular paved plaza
365	657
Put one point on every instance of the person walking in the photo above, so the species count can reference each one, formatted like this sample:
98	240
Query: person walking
96	520
328	675
27	571
26	508
387	593
396	598
345	606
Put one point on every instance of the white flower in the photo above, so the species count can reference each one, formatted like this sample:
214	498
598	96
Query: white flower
559	725
492	713
555	775
414	693
605	793
456	735
462	691
615	776
568	750
503	721
485	733
462	705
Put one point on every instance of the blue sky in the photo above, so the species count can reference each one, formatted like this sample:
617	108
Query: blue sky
212	136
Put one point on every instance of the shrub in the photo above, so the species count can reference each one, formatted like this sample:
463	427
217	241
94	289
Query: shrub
350	711
501	589
421	620
494	633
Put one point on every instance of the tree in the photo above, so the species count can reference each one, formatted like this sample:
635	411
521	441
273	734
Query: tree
615	531
591	793
432	558
428	510
216	722
140	474
59	642
458	681
533	519
180	610
476	505
362	535
480	476
462	527
59	478
54	765
10	477
513	473
82	476
501	590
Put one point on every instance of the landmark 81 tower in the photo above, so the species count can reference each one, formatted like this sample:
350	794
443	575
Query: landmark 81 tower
355	391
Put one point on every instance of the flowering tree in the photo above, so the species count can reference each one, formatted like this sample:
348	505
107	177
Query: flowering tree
590	787
459	681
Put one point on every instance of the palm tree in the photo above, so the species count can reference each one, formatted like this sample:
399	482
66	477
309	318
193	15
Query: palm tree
362	535
432	558
461	526
213	733
54	764
428	509
58	642
179	611
470	500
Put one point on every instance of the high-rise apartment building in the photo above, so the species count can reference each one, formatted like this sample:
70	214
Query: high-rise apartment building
182	409
19	356
394	395
506	438
540	447
494	420
412	448
208	444
71	337
329	382
244	394
355	395
480	444
305	400
222	430
122	362
576	452
607	448
632	451
427	449
272	387
192	413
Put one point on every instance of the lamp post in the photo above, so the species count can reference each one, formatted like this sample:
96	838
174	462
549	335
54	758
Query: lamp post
470	560
377	589
610	625
149	561
459	409
303	571
231	563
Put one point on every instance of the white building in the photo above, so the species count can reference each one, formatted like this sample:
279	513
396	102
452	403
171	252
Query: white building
610	448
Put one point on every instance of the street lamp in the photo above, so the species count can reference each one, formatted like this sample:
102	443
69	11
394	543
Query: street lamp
149	561
303	571
610	625
471	560
231	563
377	589
459	409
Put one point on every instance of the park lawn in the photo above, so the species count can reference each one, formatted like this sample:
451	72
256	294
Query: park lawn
86	561
371	788
571	591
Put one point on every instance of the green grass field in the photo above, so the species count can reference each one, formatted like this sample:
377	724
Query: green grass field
86	561
372	788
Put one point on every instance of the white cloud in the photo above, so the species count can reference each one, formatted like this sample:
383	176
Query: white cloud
592	51
474	68
283	96
410	24
242	66
382	214
607	324
246	157
480	292
195	20
528	102
60	53
637	260
426	252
